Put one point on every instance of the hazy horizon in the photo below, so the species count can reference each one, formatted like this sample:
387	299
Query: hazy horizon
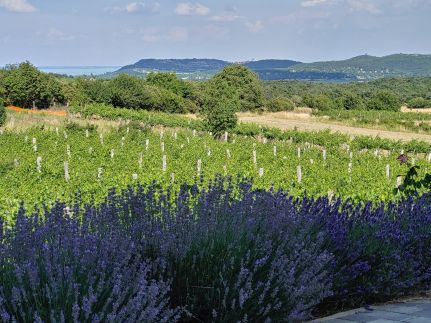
121	32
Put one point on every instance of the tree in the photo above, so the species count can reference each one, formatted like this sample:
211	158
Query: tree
27	87
352	101
419	103
2	113
187	90
246	83
384	100
280	104
221	103
128	92
320	102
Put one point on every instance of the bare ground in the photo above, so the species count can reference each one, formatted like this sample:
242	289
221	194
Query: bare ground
305	122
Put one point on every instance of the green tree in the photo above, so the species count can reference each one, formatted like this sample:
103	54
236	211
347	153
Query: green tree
280	104
320	102
352	101
221	102
2	113
419	103
27	87
246	83
384	100
188	90
128	92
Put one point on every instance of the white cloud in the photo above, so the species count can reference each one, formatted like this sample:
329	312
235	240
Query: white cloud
17	5
228	17
136	7
255	27
58	35
351	5
313	3
192	9
361	5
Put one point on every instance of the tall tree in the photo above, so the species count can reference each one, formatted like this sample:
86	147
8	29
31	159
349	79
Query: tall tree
27	87
246	83
221	102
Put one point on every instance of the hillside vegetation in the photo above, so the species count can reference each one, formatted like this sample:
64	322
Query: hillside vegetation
367	67
363	67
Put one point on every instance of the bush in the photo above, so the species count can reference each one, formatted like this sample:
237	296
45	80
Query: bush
133	93
320	102
352	101
224	253
2	113
419	103
68	268
280	104
384	100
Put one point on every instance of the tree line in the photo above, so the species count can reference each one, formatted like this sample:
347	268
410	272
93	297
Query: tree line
235	88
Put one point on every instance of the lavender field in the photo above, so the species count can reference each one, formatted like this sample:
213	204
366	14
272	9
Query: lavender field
223	253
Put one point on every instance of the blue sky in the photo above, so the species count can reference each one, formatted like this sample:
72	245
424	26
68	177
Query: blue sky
118	32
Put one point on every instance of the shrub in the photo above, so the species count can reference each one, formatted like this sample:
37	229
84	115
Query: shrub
2	113
383	100
67	268
352	101
223	253
320	102
419	103
280	104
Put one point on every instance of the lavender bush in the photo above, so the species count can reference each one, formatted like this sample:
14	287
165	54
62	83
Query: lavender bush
224	253
58	267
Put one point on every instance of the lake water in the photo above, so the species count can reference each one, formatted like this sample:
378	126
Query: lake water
79	70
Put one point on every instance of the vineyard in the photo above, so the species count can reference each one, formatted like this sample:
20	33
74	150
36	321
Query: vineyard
43	165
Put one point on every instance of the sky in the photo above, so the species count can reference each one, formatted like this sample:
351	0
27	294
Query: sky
120	32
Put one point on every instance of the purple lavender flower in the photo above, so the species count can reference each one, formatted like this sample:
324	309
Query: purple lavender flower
403	159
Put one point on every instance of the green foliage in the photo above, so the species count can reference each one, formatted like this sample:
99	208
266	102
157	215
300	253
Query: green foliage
324	138
280	104
404	88
371	67
320	102
220	105
26	86
383	100
352	101
2	113
20	180
128	92
391	120
246	83
413	183
91	91
419	103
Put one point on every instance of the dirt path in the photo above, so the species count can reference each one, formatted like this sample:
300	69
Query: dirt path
301	122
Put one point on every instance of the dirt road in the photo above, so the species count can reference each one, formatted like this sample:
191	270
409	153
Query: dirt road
287	121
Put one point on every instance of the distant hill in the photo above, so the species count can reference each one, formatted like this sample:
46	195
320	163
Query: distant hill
178	65
358	68
268	64
368	67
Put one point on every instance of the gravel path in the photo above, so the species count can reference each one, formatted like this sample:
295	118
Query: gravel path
309	124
